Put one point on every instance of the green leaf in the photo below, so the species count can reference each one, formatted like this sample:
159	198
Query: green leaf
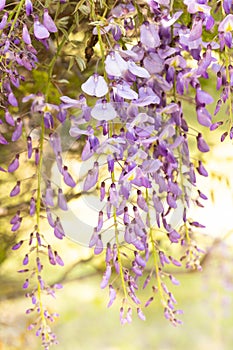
71	63
79	4
65	33
76	18
85	10
80	62
63	81
62	22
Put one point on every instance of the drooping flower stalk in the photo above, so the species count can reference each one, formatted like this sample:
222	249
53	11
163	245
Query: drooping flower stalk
119	258
155	254
228	79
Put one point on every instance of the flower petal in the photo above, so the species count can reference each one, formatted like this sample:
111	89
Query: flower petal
40	31
48	22
115	65
103	111
137	70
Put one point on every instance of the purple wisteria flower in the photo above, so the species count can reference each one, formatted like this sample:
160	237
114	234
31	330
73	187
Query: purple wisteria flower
29	7
115	65
92	177
14	164
103	111
69	181
40	31
201	144
68	102
2	4
3	141
15	190
4	21
149	35
137	70
61	200
95	86
25	35
123	90
227	24
48	22
12	99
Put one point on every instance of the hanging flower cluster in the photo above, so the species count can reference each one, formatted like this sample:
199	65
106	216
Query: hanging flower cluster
130	113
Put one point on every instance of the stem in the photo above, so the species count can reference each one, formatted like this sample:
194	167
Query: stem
100	41
38	208
183	194
39	180
227	58
101	45
227	63
39	171
119	255
39	175
140	16
52	64
171	5
155	255
174	88
18	7
39	293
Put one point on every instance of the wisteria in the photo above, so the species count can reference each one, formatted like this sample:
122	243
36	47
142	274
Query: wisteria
141	64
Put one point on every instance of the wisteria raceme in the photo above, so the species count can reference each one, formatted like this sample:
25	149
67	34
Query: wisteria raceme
127	116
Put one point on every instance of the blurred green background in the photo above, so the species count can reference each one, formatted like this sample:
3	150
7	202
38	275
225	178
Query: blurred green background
85	323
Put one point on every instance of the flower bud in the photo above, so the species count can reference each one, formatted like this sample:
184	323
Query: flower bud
16	190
